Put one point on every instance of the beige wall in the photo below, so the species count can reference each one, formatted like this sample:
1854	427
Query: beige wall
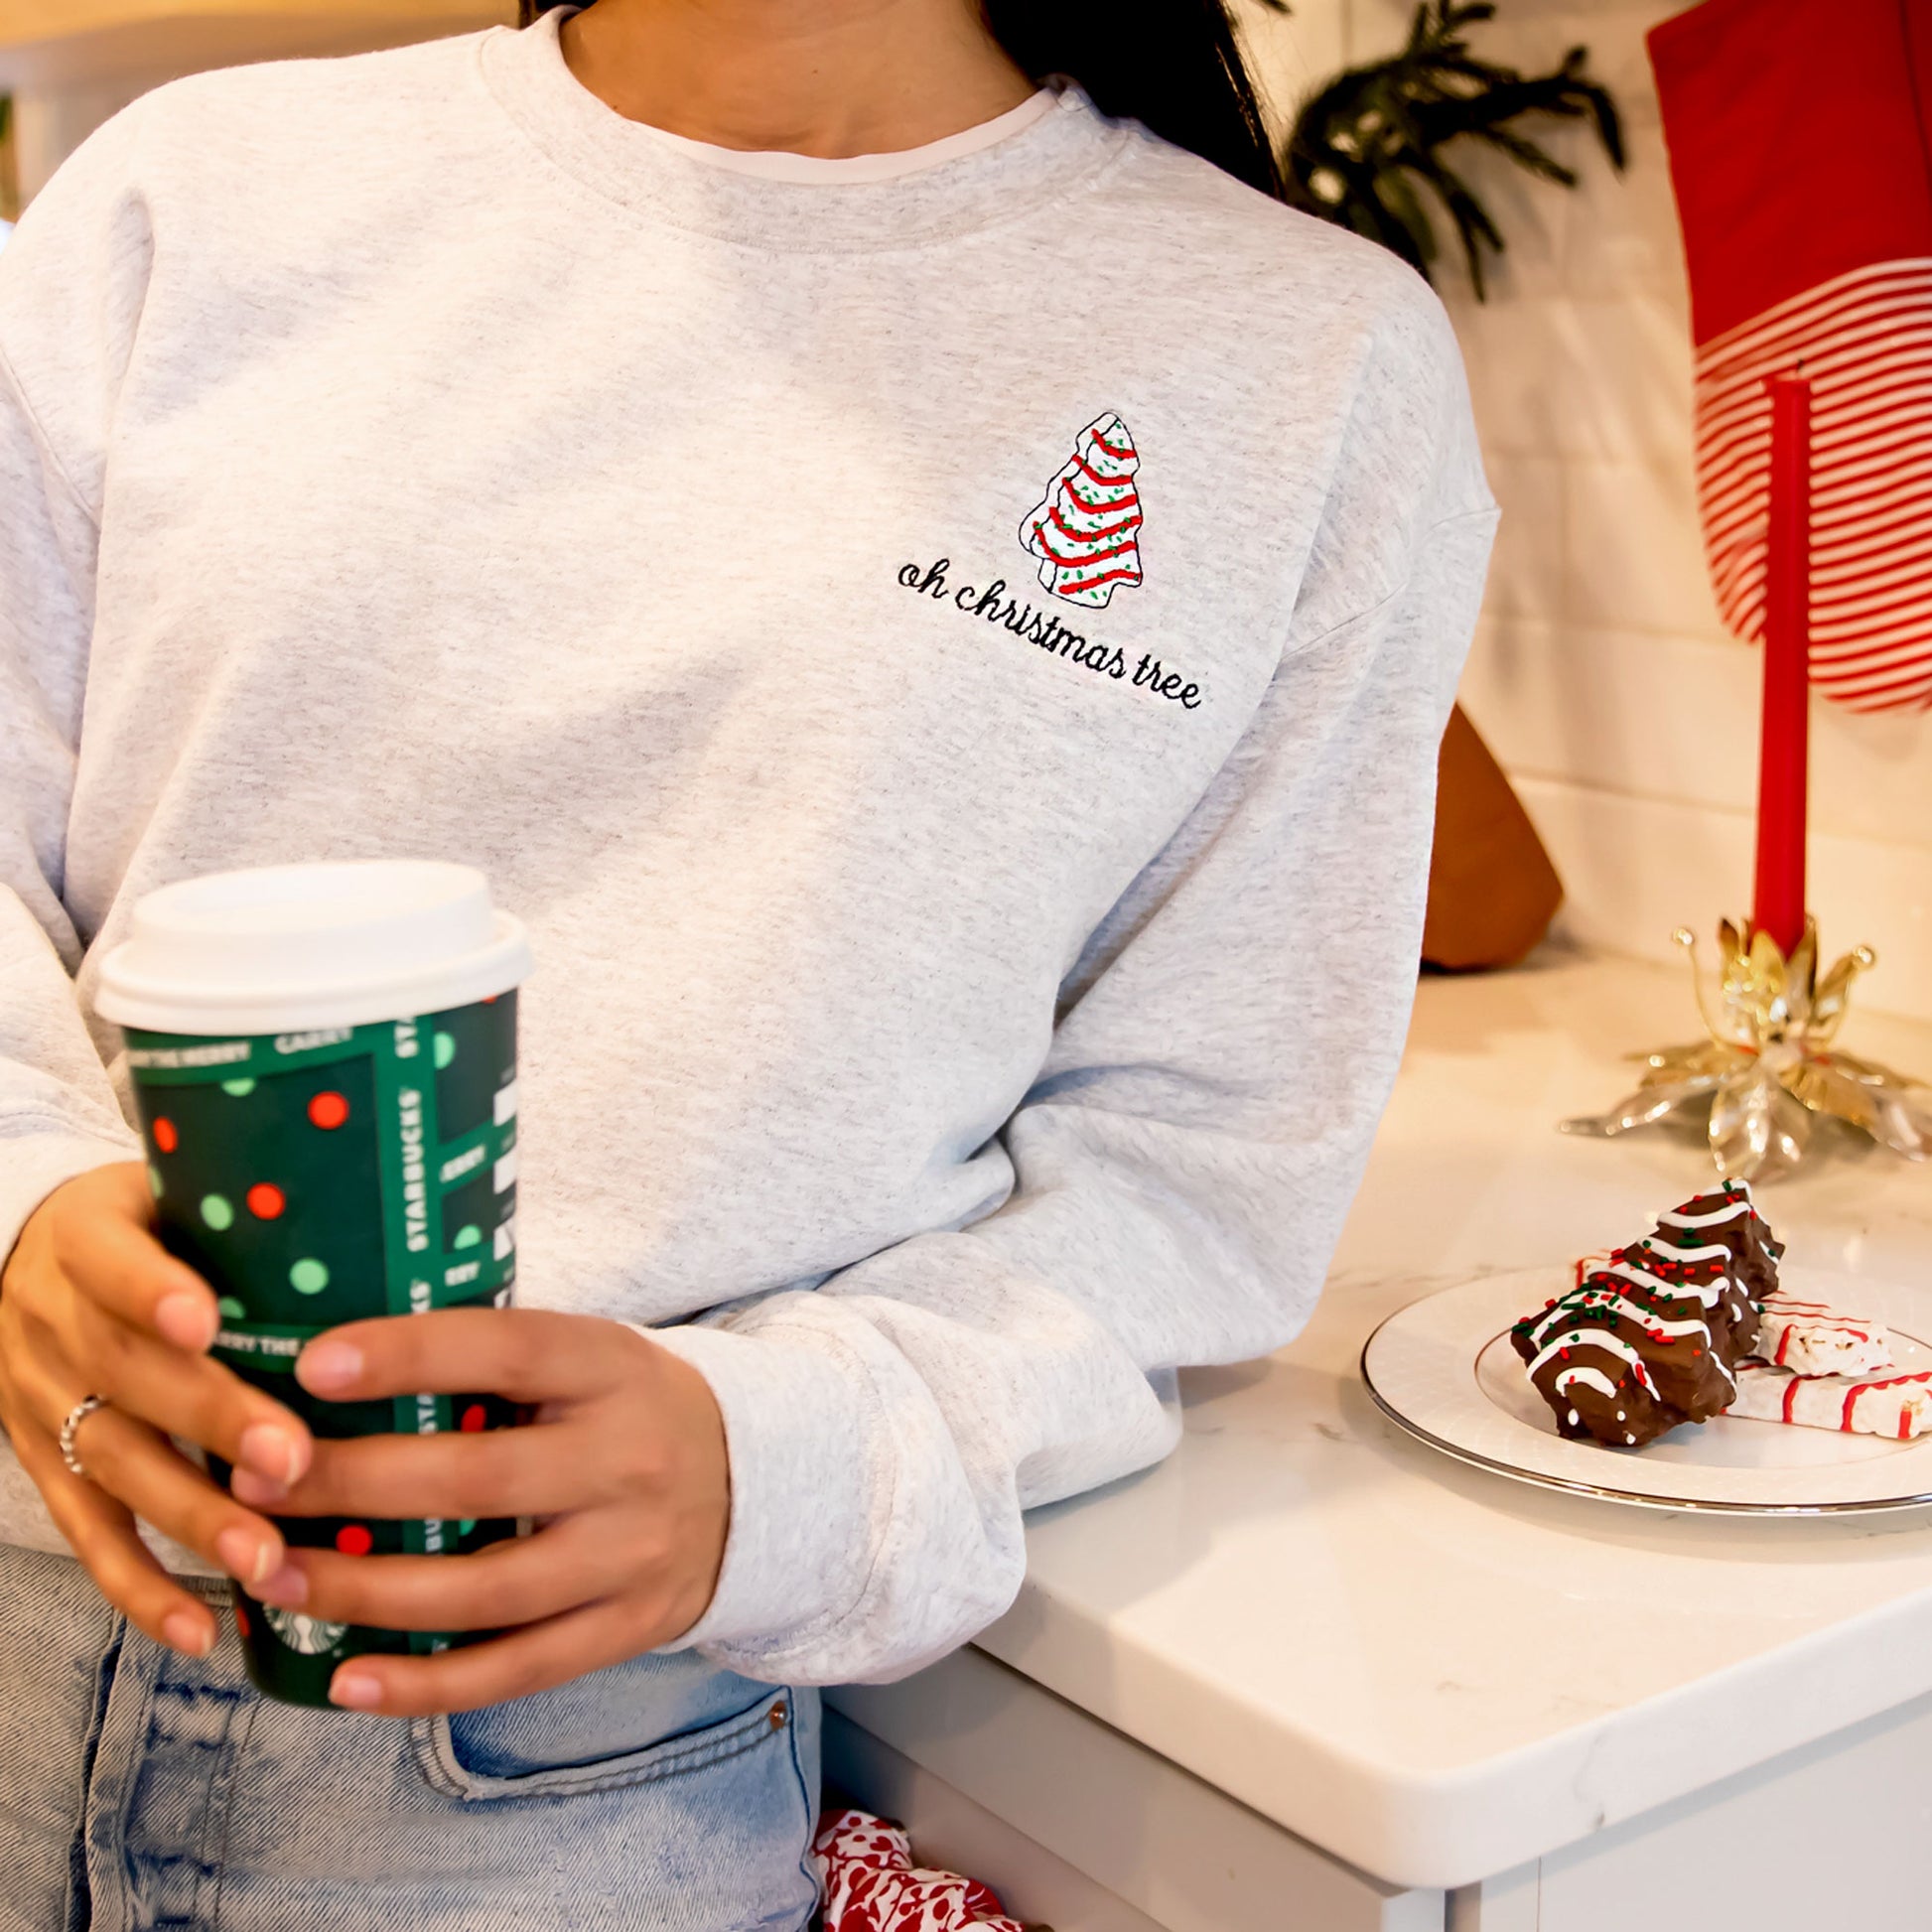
70	64
49	125
1601	675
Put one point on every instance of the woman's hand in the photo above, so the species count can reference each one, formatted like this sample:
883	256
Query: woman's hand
626	1463
92	1303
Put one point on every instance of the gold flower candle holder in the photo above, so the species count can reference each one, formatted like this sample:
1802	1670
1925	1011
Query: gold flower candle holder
1768	1065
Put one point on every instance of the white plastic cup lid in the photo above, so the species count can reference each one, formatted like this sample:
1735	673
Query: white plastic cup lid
335	944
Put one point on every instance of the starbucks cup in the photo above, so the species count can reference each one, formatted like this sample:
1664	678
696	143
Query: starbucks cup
324	1059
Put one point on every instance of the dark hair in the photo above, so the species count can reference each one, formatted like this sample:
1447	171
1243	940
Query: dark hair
1172	65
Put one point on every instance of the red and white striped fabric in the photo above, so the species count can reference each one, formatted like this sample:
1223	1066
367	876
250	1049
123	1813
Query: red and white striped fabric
1800	163
1865	339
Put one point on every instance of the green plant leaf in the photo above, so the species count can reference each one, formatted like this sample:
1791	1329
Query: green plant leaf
1366	149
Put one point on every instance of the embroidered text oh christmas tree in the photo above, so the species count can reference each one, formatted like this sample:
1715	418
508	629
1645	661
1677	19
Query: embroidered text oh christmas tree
1084	532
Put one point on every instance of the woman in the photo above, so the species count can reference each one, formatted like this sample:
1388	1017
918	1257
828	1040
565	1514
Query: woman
936	605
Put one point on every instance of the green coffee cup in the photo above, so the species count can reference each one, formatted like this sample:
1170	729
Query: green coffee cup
325	1062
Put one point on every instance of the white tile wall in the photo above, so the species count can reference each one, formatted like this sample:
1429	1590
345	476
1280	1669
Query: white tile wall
1601	674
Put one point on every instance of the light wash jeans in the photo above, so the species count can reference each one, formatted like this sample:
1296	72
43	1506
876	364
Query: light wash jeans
145	1792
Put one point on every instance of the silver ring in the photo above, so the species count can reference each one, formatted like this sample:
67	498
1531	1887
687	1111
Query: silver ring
79	1413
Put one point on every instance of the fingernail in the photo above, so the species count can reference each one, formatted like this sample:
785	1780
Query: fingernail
286	1589
270	1452
328	1365
354	1693
243	1554
193	1635
186	1321
251	1487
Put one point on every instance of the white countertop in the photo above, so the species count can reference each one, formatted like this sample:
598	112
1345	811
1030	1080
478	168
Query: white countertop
1438	1674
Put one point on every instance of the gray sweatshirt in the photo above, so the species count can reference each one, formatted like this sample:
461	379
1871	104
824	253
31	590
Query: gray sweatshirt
948	667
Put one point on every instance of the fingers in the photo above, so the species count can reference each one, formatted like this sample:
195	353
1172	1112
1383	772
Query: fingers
102	1534
140	1468
532	1659
193	1397
541	1471
572	1563
102	1238
528	1354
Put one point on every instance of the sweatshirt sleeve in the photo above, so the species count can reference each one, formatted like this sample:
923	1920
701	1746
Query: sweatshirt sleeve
64	287
1182	1163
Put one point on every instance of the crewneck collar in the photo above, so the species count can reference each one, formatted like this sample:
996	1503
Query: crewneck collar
821	170
950	187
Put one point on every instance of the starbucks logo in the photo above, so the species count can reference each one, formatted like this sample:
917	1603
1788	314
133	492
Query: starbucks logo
307	1634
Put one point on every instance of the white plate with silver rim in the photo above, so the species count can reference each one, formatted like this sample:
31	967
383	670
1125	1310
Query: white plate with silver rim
1443	1370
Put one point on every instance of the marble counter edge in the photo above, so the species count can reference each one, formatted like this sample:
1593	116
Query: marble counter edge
1450	1828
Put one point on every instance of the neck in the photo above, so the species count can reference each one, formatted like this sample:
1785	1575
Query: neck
826	77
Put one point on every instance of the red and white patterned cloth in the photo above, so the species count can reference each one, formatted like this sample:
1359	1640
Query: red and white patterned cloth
1799	154
871	1884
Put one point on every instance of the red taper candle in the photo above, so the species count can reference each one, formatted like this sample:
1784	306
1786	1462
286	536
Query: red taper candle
1783	742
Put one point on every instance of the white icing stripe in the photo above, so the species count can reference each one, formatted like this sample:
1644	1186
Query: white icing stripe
1597	1339
1707	1293
1655	1326
1711	1251
1692	1327
1594	1376
1581	1302
1651	1324
1570	1309
1730	1212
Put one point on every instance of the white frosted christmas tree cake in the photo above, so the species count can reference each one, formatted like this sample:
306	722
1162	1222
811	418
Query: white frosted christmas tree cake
1084	530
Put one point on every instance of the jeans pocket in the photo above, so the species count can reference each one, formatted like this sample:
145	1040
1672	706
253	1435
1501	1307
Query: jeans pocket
458	1762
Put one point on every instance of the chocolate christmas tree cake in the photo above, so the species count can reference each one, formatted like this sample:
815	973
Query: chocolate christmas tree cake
1652	1337
1729	1220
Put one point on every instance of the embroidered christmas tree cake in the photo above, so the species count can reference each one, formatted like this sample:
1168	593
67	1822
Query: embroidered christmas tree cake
1084	532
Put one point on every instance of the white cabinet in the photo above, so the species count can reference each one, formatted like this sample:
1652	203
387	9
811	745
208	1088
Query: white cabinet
1079	1826
1834	1835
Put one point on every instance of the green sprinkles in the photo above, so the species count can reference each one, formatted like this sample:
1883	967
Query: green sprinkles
217	1211
445	1050
308	1275
240	1088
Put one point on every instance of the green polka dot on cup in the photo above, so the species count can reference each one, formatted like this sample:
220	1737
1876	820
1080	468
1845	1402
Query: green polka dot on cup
240	1088
218	1211
467	1236
445	1050
231	1309
154	1182
308	1275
